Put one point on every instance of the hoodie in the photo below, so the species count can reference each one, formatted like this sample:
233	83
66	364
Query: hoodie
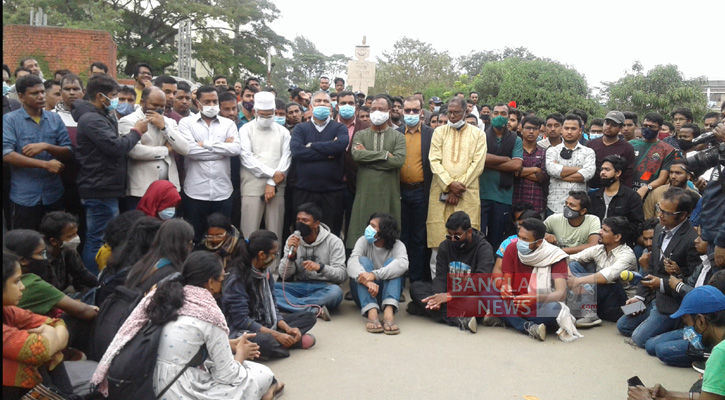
327	250
478	255
100	151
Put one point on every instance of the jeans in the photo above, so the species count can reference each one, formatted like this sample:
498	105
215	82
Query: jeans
495	217
610	296
519	323
197	211
307	293
670	348
98	213
646	325
414	212
388	291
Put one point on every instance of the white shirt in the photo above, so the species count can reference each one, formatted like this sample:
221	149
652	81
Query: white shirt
582	157
208	171
611	264
248	155
322	127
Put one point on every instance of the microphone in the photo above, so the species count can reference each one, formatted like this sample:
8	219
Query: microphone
632	277
293	248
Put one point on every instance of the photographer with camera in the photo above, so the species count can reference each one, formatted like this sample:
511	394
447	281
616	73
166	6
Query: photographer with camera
713	201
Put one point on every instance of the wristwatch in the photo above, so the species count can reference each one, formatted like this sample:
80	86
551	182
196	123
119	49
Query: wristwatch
649	187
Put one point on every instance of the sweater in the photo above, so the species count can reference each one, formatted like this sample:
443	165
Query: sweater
378	255
327	250
319	156
478	255
235	305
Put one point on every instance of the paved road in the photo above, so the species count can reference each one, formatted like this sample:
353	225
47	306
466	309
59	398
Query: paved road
434	361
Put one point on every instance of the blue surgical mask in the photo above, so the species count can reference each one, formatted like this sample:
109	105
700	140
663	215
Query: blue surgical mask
347	111
280	120
436	108
321	112
370	233
167	213
113	105
124	109
6	88
334	104
412	120
523	247
695	339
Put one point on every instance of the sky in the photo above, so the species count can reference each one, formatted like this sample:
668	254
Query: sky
600	39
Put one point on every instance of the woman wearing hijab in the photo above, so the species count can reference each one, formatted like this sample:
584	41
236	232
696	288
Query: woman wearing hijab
160	200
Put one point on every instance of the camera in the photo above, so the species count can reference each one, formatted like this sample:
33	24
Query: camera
701	161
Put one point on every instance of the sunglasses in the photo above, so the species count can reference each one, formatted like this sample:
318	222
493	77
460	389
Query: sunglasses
453	237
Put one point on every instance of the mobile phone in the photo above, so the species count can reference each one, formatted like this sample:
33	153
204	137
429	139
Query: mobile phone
444	197
630	309
634	381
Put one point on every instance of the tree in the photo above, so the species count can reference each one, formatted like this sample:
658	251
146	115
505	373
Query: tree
539	86
473	63
661	89
305	66
412	66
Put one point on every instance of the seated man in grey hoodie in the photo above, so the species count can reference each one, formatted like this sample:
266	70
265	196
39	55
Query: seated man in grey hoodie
313	266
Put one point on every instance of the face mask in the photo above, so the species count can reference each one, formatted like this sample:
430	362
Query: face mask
499	121
210	111
124	109
649	133
264	123
40	268
370	233
412	120
71	244
334	104
608	181
436	109
378	117
485	117
693	337
569	213
280	120
114	103
347	111
523	247
321	112
458	124
6	88
268	261
684	144
167	213
248	105
458	245
303	228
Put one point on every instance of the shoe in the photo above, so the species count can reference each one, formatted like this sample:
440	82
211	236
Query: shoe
492	321
699	366
402	298
468	324
414	309
588	322
536	331
324	314
348	296
307	341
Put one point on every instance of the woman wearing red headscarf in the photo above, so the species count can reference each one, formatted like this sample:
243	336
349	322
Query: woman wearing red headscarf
160	200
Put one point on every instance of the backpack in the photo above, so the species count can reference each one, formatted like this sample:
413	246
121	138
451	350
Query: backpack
130	375
111	316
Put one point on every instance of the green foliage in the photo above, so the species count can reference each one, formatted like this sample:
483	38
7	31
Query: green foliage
472	64
661	89
305	66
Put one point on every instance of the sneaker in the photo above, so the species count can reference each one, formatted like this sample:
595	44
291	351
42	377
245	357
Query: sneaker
536	331
699	366
468	324
492	321
588	321
324	314
348	296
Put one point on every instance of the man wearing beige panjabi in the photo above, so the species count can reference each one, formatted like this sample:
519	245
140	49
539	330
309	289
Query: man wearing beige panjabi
457	155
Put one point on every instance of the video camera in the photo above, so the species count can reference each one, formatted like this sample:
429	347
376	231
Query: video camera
703	160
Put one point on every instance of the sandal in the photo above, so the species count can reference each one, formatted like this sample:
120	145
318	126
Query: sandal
390	328
279	391
373	326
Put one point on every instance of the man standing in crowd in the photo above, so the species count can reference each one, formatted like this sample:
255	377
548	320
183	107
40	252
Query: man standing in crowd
532	181
339	85
554	124
168	85
415	180
609	144
182	100
220	82
101	153
652	157
35	144
325	84
678	177
98	68
569	164
246	111
629	126
503	160
613	199
212	142
318	150
379	152
142	73
396	113
575	229
52	94
152	158
457	156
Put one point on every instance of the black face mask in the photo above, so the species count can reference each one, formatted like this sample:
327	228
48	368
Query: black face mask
684	144
485	117
566	153
458	245
608	182
303	228
40	268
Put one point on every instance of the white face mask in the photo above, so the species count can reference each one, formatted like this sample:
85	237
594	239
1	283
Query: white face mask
210	111
71	244
378	117
458	124
264	122
167	213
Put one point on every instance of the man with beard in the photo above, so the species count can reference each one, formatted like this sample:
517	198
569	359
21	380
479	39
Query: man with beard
613	199
610	143
678	177
652	157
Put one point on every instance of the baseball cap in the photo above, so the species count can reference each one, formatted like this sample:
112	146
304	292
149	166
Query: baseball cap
616	116
435	100
704	299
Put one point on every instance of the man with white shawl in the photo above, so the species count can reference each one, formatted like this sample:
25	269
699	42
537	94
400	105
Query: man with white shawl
534	280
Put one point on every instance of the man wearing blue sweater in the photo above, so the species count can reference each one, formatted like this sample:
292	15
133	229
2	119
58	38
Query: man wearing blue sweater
318	150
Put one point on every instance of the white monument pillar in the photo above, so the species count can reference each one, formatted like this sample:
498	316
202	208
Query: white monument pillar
360	72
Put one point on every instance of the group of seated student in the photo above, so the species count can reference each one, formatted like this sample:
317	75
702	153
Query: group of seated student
558	223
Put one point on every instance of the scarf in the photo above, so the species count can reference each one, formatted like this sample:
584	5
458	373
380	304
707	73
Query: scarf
198	303
160	195
541	261
227	246
267	314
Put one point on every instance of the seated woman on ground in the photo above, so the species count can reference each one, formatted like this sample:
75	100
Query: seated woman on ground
377	269
191	318
221	237
169	250
115	234
249	303
30	341
160	200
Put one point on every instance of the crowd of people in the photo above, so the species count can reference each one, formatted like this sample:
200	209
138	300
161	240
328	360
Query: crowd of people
232	216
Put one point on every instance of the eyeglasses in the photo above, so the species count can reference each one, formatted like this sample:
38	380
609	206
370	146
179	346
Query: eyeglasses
219	236
412	110
457	238
43	254
666	213
530	128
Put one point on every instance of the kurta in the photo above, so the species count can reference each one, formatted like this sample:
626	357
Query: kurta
455	156
378	178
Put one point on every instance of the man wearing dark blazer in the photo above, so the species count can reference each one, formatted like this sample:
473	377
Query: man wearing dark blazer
673	254
346	105
415	179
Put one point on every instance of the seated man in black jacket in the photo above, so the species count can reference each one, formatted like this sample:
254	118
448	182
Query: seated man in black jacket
464	251
60	233
613	199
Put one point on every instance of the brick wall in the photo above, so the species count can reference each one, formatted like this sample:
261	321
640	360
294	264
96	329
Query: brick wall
74	49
